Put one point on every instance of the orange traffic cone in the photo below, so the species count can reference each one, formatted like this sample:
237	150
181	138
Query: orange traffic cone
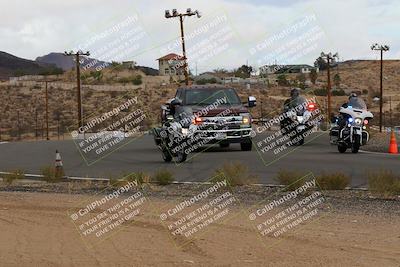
59	165
393	149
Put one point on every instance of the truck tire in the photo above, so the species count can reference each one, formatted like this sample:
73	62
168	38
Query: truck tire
223	145
246	146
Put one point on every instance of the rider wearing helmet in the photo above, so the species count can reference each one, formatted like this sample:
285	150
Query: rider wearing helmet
294	93
288	104
341	119
352	95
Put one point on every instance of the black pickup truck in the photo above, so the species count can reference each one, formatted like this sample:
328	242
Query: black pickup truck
217	111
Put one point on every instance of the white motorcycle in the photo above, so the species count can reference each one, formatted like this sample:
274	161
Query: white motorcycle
350	130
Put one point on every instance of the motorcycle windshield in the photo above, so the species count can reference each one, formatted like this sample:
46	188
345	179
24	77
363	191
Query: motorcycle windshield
184	115
298	104
357	103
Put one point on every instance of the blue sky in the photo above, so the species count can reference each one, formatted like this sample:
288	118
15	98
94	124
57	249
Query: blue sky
345	26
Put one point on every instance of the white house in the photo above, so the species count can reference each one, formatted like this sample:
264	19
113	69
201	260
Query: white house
277	69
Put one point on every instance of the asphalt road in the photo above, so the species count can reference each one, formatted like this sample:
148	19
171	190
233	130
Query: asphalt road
142	155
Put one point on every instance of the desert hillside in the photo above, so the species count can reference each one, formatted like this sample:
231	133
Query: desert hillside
22	102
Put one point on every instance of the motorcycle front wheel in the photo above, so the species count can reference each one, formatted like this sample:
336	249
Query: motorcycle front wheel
342	148
181	157
356	145
166	156
301	142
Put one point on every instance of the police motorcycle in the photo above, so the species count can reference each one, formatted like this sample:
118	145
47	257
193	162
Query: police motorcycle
350	127
177	128
297	114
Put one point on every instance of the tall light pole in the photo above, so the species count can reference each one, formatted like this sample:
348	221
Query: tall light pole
78	81
382	48
175	14
329	58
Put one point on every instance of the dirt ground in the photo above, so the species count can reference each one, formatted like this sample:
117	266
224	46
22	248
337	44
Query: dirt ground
36	230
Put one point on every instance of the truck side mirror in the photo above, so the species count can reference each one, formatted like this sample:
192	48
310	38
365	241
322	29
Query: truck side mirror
252	101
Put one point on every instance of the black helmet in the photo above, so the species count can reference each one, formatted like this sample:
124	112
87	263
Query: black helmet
352	95
295	92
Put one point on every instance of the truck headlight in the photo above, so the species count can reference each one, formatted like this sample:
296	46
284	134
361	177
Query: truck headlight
246	119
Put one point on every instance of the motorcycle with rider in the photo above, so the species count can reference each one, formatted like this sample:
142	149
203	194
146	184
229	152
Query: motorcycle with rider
176	134
350	127
297	119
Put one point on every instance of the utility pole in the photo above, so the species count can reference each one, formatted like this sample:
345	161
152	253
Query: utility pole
47	108
47	113
19	127
175	14
390	110
329	58
0	128
78	81
381	48
36	125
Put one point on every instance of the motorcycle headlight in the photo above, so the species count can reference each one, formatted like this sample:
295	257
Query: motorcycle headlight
300	119
185	131
358	121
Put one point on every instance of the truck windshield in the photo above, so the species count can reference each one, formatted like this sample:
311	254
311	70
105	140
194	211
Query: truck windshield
204	97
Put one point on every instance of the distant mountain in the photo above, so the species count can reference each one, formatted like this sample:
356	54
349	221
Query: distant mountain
11	65
53	63
68	63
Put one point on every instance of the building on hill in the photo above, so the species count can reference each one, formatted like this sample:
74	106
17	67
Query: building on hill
171	65
129	64
208	77
232	79
278	69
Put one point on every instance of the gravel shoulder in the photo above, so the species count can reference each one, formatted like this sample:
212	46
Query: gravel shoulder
379	142
355	228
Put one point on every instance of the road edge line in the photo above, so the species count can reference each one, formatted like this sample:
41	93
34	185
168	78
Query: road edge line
377	153
174	182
